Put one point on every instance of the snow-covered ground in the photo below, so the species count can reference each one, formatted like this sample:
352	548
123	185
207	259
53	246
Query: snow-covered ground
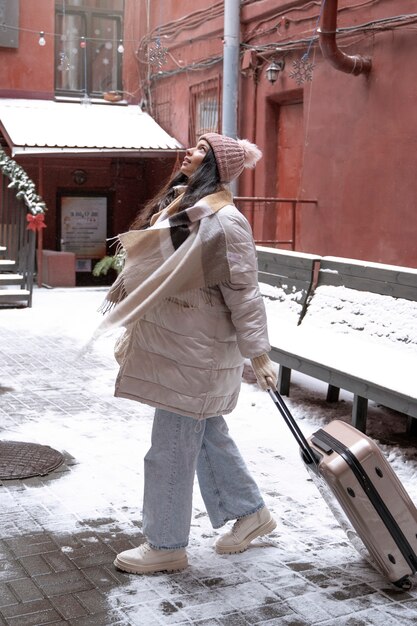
108	438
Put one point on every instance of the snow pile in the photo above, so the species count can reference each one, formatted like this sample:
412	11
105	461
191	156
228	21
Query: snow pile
283	303
389	319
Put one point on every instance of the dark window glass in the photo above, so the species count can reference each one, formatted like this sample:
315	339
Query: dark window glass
69	75
87	60
104	55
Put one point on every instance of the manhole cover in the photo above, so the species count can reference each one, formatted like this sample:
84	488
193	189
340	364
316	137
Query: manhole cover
19	459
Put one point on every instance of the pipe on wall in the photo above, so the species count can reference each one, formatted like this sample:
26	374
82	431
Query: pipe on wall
351	64
231	39
231	44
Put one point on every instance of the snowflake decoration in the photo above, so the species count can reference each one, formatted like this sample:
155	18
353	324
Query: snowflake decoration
64	62
303	70
157	54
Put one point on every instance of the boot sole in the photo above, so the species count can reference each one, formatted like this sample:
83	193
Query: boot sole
266	528
175	566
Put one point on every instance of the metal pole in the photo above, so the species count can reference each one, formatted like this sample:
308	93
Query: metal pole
230	67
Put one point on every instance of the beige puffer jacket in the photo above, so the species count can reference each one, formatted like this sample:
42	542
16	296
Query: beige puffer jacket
186	354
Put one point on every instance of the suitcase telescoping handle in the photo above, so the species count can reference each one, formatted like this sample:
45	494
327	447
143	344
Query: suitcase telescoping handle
309	456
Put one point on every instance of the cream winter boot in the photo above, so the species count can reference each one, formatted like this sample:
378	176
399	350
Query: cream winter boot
244	531
147	560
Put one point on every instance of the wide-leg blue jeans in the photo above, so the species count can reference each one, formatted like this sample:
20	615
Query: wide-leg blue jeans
180	447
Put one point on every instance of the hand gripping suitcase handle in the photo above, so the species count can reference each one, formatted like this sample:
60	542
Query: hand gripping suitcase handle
308	453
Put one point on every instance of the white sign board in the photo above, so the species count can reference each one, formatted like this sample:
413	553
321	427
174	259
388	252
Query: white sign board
84	226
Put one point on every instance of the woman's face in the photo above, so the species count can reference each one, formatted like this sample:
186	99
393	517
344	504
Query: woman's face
193	157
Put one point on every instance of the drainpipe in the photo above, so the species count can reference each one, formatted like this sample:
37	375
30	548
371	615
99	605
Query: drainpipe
354	64
231	42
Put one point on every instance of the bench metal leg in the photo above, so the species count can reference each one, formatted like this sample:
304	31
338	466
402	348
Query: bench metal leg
333	393
359	412
284	379
412	426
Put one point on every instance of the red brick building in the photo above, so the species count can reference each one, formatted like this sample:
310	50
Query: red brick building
70	114
345	141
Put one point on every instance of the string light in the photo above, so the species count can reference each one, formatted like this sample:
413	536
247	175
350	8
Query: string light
43	34
121	47
396	21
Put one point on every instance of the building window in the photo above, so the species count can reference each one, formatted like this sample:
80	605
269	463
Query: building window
204	109
87	60
9	20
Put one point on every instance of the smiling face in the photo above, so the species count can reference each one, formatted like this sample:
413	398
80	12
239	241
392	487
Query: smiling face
194	156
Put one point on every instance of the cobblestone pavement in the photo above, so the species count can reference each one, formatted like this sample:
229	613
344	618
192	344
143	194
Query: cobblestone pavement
59	534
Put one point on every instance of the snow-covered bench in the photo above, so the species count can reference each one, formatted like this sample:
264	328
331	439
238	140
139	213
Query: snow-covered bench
286	278
358	333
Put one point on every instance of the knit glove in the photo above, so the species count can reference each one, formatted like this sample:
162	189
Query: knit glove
265	372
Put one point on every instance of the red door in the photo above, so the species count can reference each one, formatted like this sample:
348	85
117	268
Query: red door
289	168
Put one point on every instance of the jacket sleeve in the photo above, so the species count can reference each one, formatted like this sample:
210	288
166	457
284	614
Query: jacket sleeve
241	293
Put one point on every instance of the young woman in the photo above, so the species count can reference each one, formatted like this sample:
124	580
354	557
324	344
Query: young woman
189	299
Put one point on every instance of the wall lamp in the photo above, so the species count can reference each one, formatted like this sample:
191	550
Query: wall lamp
79	177
273	70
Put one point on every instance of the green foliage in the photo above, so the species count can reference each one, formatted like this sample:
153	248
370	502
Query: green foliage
20	181
107	263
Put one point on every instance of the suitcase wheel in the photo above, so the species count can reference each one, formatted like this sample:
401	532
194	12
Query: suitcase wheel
404	583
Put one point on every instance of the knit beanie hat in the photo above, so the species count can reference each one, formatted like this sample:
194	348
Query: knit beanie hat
232	155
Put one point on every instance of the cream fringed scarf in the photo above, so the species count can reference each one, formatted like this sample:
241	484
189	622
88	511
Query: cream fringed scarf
179	252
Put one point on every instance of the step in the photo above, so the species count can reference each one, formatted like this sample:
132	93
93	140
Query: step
3	248
6	294
11	279
6	265
10	296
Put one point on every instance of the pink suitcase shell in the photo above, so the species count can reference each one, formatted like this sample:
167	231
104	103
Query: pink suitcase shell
364	493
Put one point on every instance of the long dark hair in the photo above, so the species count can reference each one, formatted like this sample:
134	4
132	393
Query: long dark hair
204	181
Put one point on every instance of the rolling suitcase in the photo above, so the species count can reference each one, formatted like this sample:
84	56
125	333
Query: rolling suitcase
364	494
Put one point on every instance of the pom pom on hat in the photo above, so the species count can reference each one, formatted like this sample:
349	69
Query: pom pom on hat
232	155
252	154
